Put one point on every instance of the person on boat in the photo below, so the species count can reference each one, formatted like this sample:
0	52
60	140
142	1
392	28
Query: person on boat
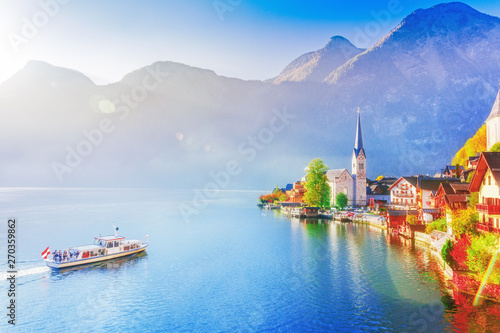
54	256
65	256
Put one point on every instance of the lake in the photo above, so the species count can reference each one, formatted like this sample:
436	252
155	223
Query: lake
230	267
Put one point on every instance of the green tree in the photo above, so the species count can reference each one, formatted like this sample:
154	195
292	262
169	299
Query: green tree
496	147
341	200
479	254
445	252
464	221
318	190
439	224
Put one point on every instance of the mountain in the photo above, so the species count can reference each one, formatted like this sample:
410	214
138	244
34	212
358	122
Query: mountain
423	90
313	66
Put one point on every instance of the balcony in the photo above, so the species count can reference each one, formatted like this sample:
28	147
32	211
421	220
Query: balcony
488	209
486	228
403	195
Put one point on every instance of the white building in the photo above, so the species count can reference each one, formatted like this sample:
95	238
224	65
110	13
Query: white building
493	124
353	185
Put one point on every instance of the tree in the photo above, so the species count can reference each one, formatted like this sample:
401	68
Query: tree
412	219
438	224
445	252
474	145
341	200
459	253
318	190
496	147
479	255
464	221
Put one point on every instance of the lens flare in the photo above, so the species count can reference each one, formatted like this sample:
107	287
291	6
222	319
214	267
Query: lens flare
486	276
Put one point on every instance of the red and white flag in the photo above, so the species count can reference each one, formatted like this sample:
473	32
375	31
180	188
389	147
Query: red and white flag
46	253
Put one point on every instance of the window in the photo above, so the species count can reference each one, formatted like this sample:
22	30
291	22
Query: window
411	200
489	180
361	166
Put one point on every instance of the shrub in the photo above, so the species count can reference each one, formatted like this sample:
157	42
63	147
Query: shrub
445	252
459	253
479	254
439	224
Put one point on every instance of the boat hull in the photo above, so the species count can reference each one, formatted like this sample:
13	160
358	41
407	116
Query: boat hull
58	265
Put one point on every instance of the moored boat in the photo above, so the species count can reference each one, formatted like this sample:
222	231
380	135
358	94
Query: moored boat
104	248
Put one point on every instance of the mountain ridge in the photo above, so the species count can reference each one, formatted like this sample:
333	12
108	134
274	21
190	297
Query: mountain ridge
417	107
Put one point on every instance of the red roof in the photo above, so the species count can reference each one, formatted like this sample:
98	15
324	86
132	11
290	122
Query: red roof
487	161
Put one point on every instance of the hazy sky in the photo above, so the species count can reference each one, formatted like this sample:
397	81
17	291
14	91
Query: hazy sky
237	38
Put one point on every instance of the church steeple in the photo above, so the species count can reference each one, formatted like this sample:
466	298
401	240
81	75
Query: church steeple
358	144
359	167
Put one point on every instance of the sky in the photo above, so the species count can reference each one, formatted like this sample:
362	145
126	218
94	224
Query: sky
252	40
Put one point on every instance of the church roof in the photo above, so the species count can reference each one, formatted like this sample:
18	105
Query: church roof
495	111
358	143
336	173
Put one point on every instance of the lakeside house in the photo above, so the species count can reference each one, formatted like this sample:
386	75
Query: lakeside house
404	194
297	192
416	193
451	197
485	181
450	171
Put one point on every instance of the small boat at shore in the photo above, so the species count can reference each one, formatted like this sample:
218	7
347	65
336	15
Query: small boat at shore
104	248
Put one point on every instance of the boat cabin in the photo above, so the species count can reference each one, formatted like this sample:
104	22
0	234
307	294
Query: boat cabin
115	244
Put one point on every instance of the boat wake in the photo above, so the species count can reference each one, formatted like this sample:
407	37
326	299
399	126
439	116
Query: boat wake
27	272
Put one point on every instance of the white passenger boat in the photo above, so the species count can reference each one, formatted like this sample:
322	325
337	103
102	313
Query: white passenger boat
104	248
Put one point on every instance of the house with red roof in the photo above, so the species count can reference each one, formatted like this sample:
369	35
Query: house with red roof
485	181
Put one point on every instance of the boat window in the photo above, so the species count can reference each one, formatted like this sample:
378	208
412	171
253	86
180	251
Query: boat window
116	244
110	244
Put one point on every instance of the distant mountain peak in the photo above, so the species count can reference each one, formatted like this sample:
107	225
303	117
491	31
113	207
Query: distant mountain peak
42	73
338	40
315	66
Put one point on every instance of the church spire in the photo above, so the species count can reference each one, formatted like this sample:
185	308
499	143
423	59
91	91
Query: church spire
358	144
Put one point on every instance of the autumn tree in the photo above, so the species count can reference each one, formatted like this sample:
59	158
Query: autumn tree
318	190
464	221
412	219
474	145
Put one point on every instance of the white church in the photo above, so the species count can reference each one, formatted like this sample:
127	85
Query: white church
352	184
493	124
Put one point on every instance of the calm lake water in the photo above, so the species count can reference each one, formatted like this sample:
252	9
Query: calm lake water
230	268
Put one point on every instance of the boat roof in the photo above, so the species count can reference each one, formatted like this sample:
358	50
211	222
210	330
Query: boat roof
86	247
110	238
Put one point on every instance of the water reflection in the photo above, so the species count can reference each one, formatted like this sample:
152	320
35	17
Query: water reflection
401	271
109	265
